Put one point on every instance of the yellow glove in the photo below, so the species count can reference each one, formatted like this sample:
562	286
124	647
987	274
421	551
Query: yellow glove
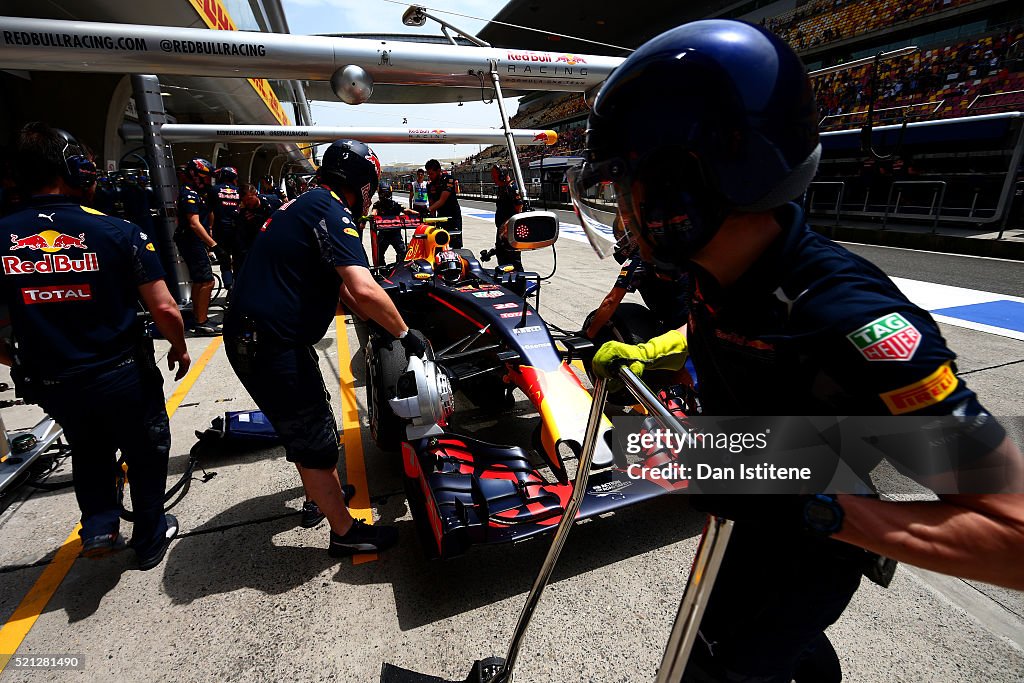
665	352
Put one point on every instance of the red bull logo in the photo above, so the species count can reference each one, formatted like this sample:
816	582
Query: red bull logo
49	241
571	60
528	57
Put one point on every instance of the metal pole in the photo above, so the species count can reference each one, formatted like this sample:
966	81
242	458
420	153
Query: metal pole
562	532
695	598
938	209
509	139
152	116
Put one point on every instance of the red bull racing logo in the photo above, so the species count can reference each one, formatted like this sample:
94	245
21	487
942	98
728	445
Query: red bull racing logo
49	242
571	60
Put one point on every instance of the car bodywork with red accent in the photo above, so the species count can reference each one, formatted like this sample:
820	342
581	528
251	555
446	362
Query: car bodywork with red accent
464	491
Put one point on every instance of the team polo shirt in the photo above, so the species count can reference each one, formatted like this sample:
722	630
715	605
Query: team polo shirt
224	202
191	202
70	277
812	329
289	285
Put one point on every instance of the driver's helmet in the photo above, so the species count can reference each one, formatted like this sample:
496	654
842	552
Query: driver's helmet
449	266
737	131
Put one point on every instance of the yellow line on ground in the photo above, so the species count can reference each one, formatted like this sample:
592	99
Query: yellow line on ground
32	605
355	465
193	374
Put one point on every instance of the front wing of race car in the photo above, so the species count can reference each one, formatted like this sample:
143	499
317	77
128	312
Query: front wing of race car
474	492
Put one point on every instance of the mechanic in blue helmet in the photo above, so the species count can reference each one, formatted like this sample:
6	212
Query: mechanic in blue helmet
224	205
195	241
72	278
782	321
285	299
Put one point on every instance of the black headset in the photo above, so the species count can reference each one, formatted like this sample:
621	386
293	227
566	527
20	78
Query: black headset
79	171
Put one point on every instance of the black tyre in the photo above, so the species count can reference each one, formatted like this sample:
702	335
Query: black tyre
385	363
631	323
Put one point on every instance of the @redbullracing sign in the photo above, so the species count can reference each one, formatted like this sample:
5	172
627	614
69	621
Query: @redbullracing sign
890	337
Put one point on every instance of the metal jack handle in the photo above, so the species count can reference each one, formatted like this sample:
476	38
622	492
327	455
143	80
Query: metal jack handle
509	138
705	565
590	437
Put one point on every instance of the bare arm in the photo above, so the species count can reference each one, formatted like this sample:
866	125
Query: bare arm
977	537
369	297
350	303
200	230
167	317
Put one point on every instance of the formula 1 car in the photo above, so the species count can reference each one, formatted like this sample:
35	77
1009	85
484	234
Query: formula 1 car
484	338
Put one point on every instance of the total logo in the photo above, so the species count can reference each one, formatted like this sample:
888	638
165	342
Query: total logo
56	294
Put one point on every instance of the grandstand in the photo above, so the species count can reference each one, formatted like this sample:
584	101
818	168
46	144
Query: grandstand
969	61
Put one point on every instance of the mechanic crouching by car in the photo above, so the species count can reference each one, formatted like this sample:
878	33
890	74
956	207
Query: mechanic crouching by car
444	203
284	301
777	323
72	278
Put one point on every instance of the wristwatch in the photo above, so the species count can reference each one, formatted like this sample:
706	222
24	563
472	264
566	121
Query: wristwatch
823	514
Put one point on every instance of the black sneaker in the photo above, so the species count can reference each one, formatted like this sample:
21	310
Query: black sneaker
311	515
96	547
205	330
157	556
362	538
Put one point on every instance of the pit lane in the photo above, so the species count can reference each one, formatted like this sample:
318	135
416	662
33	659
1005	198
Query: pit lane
245	594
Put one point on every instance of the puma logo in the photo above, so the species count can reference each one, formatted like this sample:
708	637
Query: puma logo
48	217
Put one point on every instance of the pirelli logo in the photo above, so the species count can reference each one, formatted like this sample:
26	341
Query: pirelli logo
927	392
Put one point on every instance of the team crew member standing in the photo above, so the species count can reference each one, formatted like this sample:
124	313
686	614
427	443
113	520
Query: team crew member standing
508	203
72	278
419	198
194	240
252	214
285	300
444	203
785	322
224	202
391	236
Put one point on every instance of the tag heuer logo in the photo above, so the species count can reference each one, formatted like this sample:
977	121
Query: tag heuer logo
890	337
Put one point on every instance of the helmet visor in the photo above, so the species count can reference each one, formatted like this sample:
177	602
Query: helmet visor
595	200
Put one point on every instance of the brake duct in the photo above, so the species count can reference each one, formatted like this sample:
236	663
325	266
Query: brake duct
424	397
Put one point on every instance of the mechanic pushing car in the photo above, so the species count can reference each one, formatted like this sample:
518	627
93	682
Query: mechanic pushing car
195	241
224	203
72	278
507	203
284	301
779	315
443	191
382	237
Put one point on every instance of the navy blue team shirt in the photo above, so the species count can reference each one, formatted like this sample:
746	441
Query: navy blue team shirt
191	201
812	329
70	276
224	202
288	286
